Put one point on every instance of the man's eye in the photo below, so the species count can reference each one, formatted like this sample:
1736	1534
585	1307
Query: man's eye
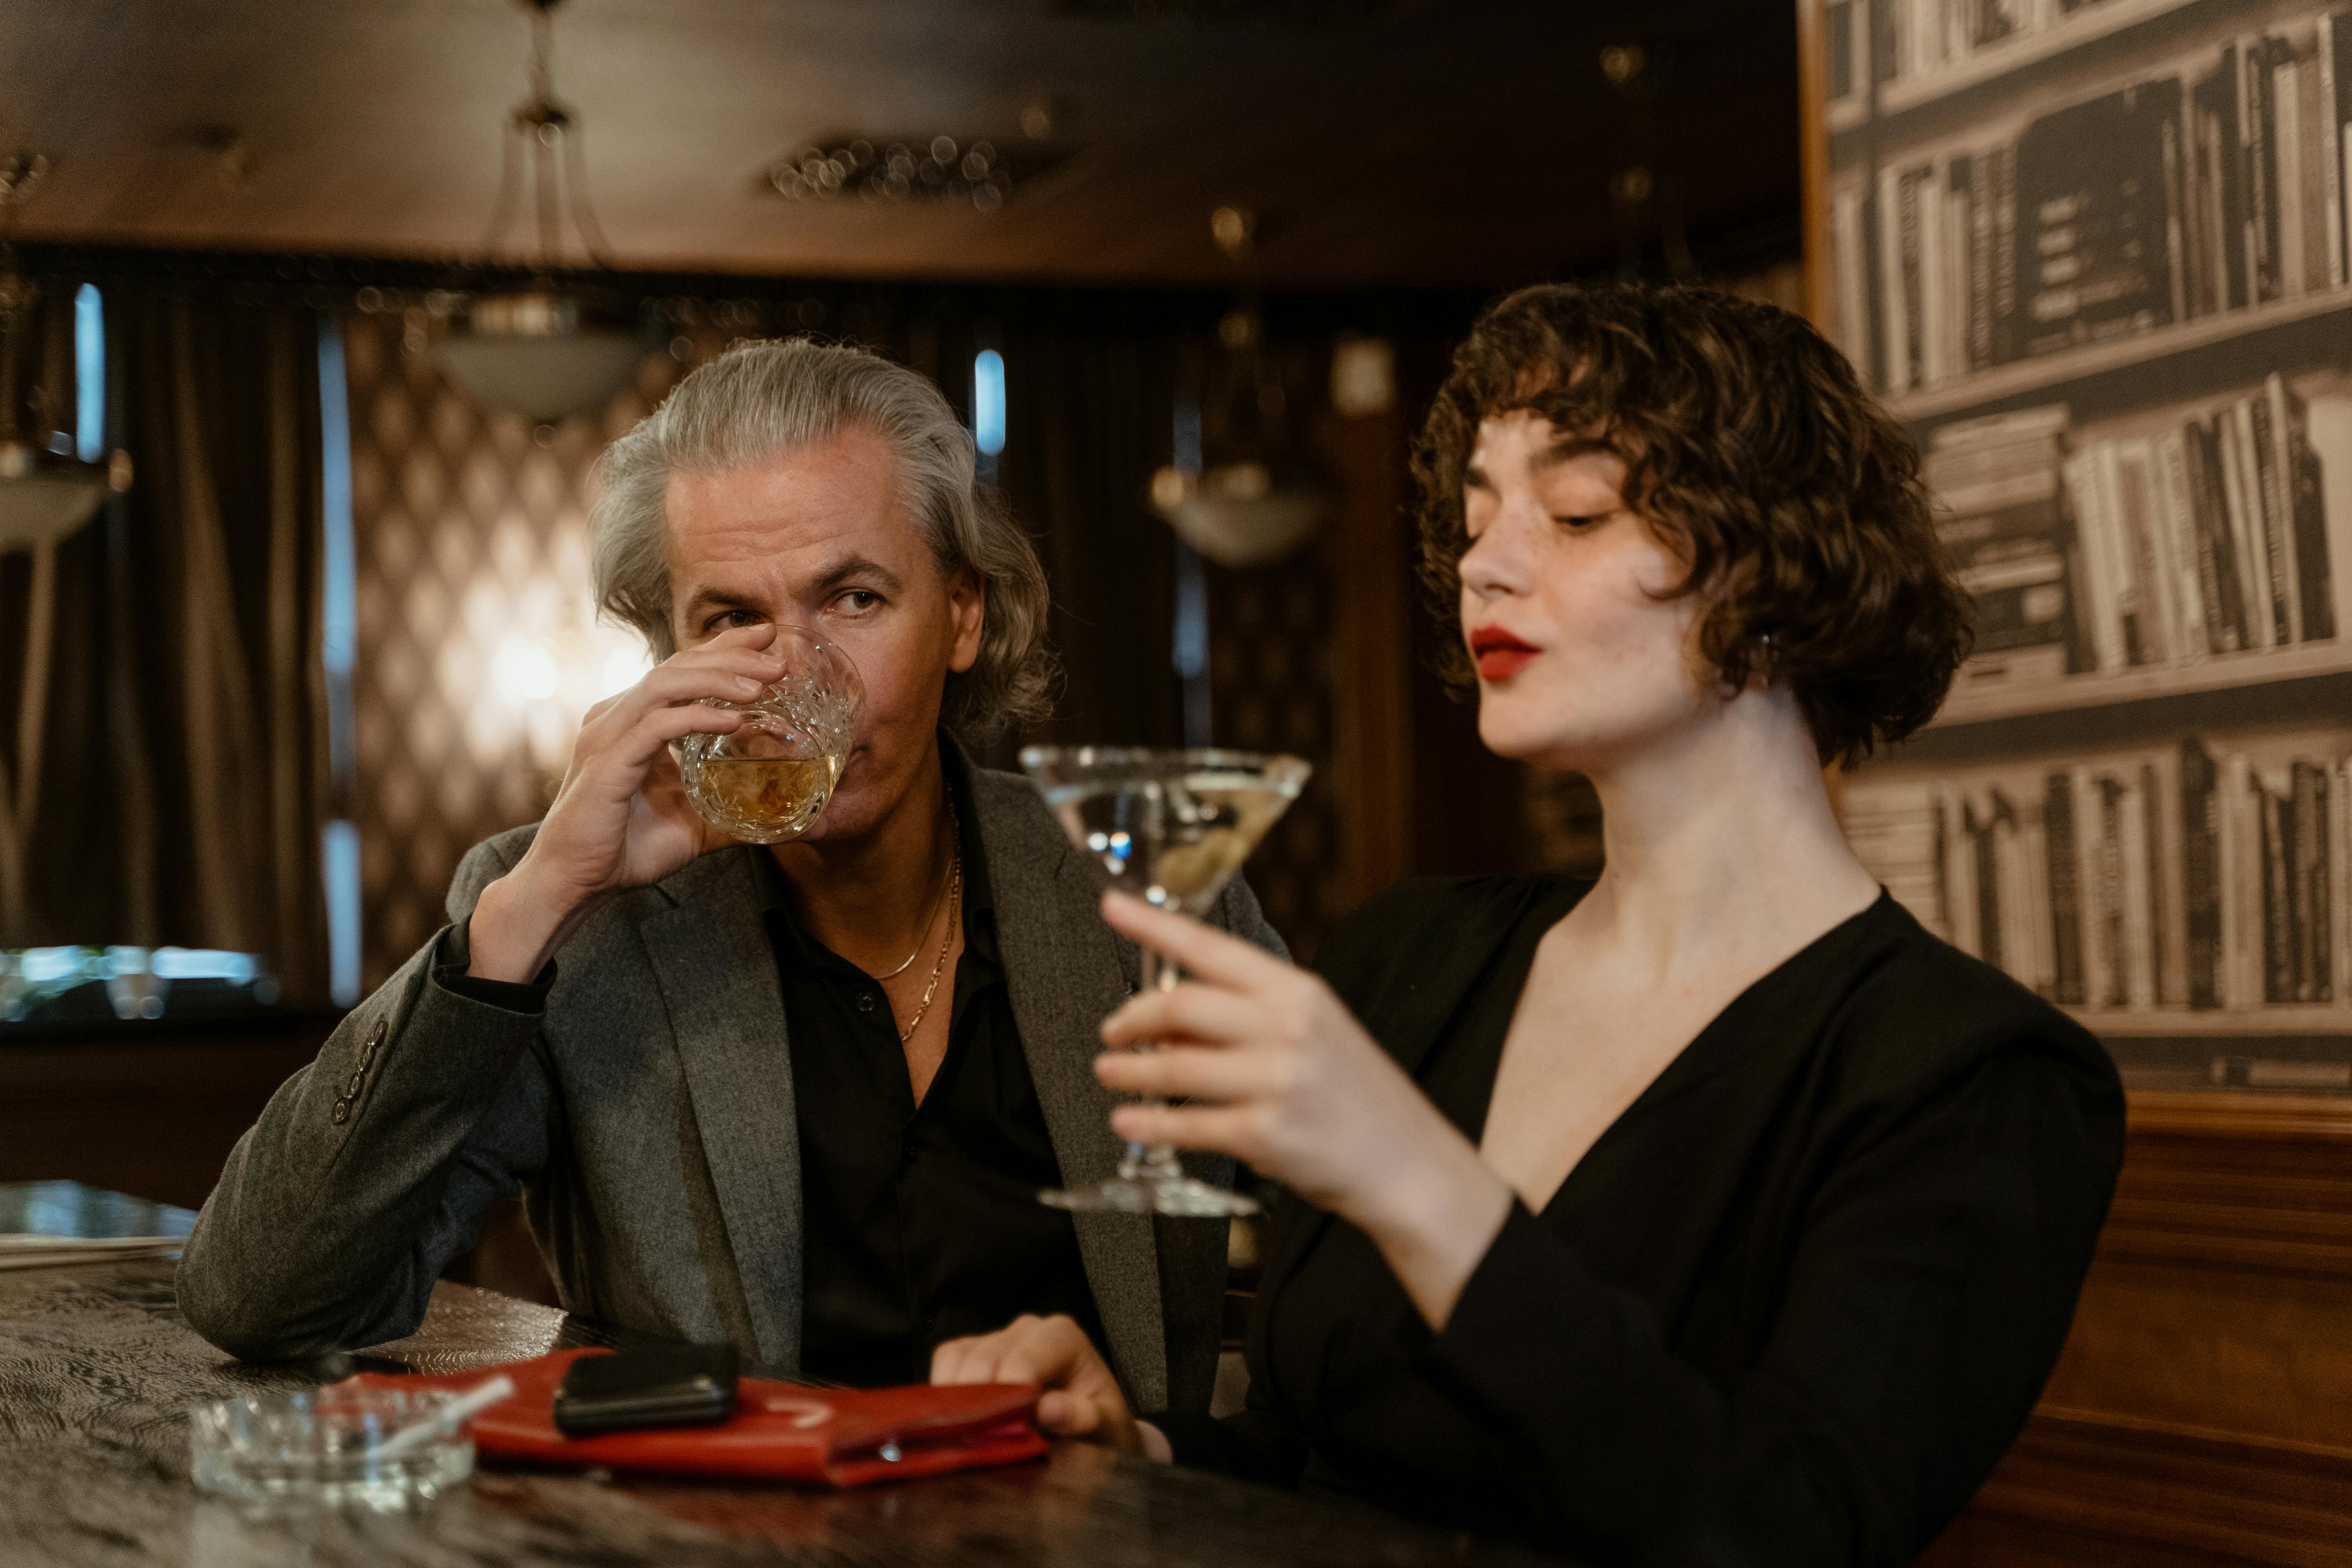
860	599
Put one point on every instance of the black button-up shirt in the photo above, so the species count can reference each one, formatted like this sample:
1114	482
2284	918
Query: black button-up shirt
920	1222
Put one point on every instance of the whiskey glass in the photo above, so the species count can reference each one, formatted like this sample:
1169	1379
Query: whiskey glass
771	779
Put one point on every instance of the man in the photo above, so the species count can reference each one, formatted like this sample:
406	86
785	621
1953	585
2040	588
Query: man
802	1097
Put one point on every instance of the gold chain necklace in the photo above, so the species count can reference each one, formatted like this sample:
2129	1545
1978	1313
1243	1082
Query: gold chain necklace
947	940
926	920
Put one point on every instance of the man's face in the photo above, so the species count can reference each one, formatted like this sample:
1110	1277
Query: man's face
822	538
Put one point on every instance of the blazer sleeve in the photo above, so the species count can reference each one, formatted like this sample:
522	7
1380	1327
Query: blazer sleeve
1236	911
372	1167
1928	1299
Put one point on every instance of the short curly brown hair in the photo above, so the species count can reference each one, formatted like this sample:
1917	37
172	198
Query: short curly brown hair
1753	451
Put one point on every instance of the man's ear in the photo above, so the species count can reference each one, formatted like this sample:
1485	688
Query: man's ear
968	606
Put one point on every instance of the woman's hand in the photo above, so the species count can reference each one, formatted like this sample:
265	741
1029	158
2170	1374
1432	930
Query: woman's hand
621	818
1286	1081
1081	1399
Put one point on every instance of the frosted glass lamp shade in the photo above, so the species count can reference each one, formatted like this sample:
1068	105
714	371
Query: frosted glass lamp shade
1236	514
544	377
44	506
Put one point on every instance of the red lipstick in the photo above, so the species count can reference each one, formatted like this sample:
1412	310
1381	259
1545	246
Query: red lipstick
1501	654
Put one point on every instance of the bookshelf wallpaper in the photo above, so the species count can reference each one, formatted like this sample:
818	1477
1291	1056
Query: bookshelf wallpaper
2094	252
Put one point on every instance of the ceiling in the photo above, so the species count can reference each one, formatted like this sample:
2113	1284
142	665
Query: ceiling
1385	143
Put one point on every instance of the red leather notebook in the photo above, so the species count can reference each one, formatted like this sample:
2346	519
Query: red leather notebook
782	1431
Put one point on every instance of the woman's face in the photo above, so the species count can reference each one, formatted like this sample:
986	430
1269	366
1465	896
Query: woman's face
1582	662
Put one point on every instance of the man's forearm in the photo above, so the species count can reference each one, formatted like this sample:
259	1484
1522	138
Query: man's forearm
322	1230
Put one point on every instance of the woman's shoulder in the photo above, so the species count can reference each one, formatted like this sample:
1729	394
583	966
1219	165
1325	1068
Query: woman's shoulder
1428	930
1924	1013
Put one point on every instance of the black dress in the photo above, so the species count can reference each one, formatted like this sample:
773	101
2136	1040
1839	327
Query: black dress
1790	1308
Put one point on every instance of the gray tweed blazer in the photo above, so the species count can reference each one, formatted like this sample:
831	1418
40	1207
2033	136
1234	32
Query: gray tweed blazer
647	1117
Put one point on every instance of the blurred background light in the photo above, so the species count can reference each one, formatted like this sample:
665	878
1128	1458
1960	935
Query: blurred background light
90	374
624	668
339	844
523	671
988	402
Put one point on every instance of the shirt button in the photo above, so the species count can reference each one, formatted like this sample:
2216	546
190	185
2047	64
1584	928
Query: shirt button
866	1001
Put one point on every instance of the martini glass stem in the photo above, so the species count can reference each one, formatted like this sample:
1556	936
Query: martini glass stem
1153	1161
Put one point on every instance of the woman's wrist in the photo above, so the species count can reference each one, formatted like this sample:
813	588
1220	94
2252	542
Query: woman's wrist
1433	1218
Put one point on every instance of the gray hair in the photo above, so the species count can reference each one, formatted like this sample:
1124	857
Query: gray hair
760	399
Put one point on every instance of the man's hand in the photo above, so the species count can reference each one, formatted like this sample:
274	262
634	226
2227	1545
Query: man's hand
1081	1399
621	818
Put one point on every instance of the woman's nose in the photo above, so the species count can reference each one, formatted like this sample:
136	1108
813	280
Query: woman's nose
1496	562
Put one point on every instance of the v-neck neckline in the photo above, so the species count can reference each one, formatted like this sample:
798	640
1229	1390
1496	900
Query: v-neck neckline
1714	1046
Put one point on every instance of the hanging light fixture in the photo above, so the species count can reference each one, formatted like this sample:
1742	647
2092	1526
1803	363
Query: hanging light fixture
1260	501
549	350
45	494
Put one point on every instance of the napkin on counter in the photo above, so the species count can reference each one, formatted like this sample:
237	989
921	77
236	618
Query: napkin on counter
22	1251
780	1431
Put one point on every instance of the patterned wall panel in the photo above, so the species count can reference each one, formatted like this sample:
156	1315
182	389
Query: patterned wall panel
473	602
1270	685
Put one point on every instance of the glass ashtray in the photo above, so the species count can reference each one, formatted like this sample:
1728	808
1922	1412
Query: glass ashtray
319	1450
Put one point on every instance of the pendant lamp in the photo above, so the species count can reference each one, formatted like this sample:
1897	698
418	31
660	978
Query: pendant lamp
44	495
551	349
1258	499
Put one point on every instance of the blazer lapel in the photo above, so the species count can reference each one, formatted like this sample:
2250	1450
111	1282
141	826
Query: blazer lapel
718	979
1065	971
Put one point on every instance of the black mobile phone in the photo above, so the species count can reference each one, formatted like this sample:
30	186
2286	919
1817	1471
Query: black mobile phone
684	1386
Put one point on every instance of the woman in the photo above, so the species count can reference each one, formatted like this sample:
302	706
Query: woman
1712	1210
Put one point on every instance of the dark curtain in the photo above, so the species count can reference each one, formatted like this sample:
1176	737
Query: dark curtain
161	709
1087	421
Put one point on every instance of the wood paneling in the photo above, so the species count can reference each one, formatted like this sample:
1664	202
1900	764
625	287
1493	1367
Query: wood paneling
154	1110
2202	1412
153	1114
1371	549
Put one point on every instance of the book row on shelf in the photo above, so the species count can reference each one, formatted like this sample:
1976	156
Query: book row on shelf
2223	528
2214	186
2205	876
1882	41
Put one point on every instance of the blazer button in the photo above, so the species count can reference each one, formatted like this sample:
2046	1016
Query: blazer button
866	1001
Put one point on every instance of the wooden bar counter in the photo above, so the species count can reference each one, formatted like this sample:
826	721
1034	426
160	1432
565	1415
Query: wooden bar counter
97	1372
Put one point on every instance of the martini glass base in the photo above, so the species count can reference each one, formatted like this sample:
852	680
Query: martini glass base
1181	1195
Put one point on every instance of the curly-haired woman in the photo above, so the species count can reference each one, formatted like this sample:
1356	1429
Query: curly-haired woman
1711	1211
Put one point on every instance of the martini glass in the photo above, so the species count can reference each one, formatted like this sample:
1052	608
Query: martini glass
1171	827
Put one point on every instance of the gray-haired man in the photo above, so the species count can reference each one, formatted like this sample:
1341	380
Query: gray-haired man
798	1096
